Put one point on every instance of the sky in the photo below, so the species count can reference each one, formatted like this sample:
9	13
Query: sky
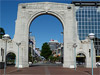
44	27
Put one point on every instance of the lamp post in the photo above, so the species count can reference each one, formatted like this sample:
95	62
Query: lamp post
18	44
91	37
32	52
5	38
74	45
61	56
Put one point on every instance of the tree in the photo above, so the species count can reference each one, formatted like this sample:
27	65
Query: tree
54	59
2	32
46	52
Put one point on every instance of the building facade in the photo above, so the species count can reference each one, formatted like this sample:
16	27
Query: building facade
33	51
56	48
88	21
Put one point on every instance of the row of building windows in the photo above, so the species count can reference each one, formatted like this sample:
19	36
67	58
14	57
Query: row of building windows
88	19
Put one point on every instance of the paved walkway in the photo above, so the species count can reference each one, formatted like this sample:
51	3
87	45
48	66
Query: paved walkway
49	70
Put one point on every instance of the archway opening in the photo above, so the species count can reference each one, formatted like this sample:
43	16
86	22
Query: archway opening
81	60
11	59
46	28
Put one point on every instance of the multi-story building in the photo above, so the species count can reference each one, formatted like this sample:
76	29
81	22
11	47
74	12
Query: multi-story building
54	44
88	21
56	48
35	52
31	45
32	41
38	50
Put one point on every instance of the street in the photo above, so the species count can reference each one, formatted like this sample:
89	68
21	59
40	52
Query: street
50	69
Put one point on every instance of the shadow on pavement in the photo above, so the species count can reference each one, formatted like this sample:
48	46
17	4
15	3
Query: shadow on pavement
88	72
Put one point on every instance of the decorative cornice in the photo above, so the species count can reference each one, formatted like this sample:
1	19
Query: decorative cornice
44	5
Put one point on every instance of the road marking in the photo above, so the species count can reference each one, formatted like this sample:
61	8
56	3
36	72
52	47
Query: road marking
47	71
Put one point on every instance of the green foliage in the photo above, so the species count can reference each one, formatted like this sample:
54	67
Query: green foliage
2	32
11	58
46	52
30	58
54	59
11	55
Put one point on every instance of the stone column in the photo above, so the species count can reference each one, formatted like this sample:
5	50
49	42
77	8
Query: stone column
23	55
88	59
70	37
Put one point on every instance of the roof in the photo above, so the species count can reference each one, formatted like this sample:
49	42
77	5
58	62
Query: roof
86	3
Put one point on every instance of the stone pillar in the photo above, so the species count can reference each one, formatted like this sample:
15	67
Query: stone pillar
21	35
70	37
88	59
23	56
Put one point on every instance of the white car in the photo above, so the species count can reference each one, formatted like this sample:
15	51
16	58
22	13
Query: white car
30	63
98	63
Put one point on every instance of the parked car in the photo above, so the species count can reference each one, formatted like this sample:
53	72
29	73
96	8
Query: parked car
98	63
30	63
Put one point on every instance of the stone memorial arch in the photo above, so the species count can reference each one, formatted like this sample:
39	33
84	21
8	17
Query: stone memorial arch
27	12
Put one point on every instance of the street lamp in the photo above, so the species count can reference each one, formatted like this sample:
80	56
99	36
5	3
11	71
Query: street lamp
74	45
18	44
62	33
91	37
5	38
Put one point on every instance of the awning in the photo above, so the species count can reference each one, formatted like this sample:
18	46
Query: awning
98	56
80	56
